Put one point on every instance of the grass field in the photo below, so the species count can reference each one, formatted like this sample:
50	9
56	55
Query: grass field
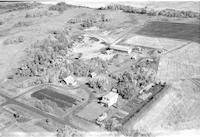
172	30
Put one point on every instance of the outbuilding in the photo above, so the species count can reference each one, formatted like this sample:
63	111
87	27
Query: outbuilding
92	75
70	81
109	99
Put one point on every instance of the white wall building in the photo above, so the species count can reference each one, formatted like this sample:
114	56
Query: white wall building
122	48
70	81
110	99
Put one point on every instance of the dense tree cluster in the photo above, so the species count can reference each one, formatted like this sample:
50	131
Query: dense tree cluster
98	84
49	62
18	6
61	6
97	65
67	131
152	12
125	85
139	76
44	56
89	20
84	68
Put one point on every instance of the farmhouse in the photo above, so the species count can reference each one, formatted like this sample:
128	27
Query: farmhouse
121	48
70	81
109	99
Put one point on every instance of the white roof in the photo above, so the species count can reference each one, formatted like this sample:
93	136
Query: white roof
120	47
69	79
111	95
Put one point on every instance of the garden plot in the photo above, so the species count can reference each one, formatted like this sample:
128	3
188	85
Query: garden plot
53	100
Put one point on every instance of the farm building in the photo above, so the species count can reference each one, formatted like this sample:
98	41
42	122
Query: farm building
92	75
121	48
147	88
70	81
145	96
110	99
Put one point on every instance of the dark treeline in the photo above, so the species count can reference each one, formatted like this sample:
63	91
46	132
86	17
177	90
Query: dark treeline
152	12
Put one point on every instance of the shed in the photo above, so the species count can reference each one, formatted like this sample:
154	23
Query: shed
70	81
110	99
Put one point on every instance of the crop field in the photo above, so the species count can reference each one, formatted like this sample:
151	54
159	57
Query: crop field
2	100
60	99
177	110
172	30
177	70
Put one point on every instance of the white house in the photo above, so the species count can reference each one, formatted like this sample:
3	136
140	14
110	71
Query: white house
110	99
70	81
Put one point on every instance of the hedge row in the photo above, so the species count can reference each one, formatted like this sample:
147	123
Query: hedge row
152	12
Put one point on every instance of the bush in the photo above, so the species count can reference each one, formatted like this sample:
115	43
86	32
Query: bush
17	40
39	13
89	20
22	24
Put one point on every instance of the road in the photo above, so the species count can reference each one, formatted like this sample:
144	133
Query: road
177	48
37	111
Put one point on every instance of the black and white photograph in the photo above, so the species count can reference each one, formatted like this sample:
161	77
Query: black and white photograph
99	68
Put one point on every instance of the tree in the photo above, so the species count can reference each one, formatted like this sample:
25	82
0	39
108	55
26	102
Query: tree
67	131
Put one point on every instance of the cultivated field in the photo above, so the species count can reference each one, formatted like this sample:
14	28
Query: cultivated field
180	64
172	30
176	110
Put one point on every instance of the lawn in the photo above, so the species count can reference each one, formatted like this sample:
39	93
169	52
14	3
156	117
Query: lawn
91	111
